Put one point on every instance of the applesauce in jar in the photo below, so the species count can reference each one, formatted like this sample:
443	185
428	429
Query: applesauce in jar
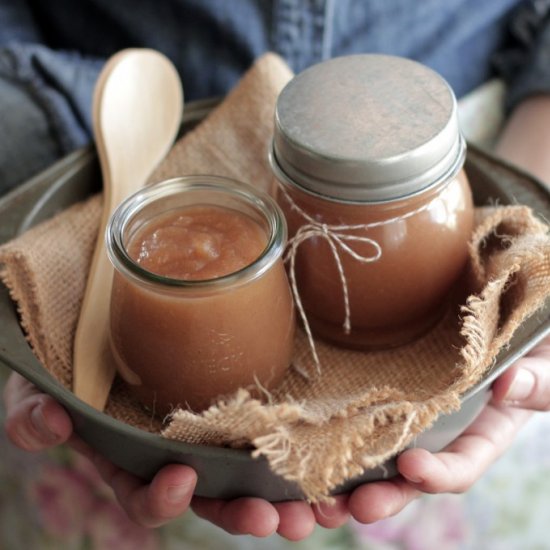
200	302
368	163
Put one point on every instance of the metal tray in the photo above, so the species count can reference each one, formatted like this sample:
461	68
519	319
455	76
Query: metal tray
222	472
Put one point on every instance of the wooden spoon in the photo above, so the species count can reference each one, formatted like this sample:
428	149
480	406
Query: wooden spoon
137	110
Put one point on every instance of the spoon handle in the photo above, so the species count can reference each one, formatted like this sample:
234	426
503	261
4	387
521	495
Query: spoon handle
93	378
93	363
137	110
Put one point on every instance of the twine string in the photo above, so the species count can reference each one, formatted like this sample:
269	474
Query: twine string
337	238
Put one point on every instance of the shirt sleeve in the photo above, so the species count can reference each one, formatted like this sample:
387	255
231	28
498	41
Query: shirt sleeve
60	82
17	23
524	60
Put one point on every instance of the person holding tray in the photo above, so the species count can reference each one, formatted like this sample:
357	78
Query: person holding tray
51	55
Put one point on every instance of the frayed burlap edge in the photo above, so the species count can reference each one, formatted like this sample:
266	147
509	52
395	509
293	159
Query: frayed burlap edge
321	453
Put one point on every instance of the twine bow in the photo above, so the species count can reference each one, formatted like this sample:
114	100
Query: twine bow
337	238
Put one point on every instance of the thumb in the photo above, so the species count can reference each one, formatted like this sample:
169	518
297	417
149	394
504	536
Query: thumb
34	420
526	385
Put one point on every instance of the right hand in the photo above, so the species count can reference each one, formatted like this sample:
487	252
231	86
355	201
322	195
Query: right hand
35	421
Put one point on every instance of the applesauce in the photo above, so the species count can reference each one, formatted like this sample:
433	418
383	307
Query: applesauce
200	302
198	242
368	169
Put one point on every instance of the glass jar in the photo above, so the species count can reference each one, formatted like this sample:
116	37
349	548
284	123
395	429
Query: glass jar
186	342
368	163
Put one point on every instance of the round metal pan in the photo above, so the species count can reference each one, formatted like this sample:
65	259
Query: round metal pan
229	473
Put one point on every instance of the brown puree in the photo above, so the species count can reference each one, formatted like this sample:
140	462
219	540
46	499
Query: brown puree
188	345
198	243
402	294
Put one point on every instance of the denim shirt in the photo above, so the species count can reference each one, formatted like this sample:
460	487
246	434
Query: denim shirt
54	49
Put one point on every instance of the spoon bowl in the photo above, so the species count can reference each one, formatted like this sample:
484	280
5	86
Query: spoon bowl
137	111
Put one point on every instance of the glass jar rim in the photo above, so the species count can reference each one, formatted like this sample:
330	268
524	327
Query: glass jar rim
135	203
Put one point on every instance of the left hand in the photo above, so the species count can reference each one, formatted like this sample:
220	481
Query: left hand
517	393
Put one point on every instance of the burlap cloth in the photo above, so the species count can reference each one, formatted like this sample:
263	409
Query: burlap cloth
364	407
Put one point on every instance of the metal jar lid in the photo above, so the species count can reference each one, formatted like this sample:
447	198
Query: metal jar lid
366	128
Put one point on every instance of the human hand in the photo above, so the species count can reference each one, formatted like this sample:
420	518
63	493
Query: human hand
522	389
35	421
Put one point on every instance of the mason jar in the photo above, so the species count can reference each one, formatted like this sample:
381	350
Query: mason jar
368	160
185	329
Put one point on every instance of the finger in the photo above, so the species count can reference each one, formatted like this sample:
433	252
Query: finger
375	501
151	505
81	447
16	389
526	385
296	520
34	421
242	516
466	459
332	515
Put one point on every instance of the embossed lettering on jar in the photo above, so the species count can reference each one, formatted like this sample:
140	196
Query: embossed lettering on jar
368	163
200	302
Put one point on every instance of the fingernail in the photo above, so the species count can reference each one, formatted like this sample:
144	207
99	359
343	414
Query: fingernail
327	510
522	386
38	421
413	479
177	493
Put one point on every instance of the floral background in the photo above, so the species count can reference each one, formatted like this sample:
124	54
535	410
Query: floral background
55	500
